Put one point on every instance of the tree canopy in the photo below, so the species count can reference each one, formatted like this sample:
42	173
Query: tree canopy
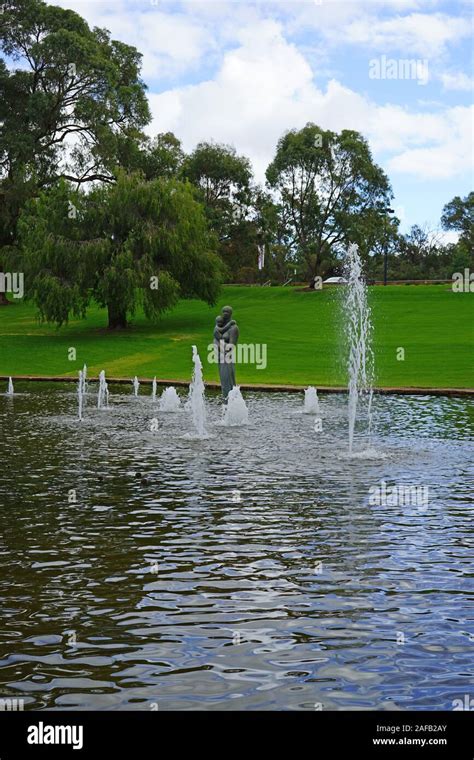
105	208
74	94
70	101
133	242
328	188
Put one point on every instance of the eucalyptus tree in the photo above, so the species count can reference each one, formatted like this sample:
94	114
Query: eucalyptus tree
329	191
71	98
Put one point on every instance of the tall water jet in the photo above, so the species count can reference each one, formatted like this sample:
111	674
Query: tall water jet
169	400
358	326
236	412
311	401
103	396
84	379
10	389
153	389
80	393
136	386
196	400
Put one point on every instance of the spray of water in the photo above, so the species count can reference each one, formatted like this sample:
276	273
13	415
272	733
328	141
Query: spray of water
311	402
80	394
169	400
153	389
103	395
196	400
236	412
358	326
10	389
136	386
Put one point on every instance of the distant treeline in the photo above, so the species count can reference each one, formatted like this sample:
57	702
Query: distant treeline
91	207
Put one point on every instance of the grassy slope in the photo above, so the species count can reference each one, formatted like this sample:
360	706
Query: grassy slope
302	330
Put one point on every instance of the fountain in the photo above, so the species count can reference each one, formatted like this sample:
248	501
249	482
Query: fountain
153	389
196	399
359	335
10	390
84	379
170	401
103	396
311	402
80	393
136	386
235	411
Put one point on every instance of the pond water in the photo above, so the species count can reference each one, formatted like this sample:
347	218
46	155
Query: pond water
256	569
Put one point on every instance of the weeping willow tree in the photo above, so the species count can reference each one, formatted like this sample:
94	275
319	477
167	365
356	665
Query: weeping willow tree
134	243
72	103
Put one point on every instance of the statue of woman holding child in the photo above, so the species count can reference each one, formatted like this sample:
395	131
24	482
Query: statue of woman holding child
226	335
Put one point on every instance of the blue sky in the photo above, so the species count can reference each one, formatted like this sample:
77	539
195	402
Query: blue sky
399	71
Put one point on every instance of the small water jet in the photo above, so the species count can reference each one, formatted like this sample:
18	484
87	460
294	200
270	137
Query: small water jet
358	326
103	395
196	399
169	400
311	401
153	389
136	386
80	394
10	389
235	412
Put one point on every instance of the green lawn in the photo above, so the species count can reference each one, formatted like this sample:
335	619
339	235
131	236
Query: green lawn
302	331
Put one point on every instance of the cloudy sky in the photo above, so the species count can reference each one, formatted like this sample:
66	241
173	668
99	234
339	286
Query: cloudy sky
245	72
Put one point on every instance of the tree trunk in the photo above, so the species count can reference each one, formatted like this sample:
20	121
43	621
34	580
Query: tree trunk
117	317
4	300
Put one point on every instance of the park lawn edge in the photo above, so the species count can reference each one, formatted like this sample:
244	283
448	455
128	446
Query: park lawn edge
303	333
264	388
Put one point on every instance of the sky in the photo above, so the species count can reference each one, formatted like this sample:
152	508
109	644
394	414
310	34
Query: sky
243	73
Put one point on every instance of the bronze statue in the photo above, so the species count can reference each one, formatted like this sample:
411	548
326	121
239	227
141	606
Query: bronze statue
226	335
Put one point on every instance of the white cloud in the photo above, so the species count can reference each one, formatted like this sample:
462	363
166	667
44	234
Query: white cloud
450	153
174	41
244	103
171	43
264	84
415	34
394	128
446	237
457	81
265	87
332	16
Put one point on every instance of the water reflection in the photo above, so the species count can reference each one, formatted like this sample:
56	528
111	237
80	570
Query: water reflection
245	571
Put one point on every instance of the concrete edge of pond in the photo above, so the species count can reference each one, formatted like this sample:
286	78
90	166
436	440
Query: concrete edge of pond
265	388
